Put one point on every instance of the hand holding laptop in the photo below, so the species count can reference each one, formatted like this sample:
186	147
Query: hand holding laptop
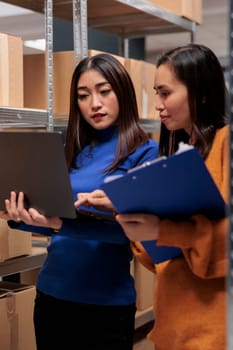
34	163
15	210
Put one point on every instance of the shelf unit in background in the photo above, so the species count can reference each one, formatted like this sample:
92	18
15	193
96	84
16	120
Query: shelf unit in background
230	238
124	18
127	18
36	260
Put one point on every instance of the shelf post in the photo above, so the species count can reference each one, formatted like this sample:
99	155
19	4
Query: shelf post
49	59
80	29
230	238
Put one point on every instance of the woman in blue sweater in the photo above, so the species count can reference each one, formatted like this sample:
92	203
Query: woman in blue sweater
85	292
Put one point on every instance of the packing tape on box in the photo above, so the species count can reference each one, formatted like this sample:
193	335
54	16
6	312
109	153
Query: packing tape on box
13	320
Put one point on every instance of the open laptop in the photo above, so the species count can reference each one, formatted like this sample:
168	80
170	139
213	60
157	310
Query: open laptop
34	163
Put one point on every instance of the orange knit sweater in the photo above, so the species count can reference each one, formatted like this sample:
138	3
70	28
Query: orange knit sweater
190	291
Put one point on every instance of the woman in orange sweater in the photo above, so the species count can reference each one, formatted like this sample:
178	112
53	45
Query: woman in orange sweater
190	291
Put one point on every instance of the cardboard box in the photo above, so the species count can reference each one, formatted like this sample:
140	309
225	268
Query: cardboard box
148	92
64	65
35	96
29	276
190	9
16	316
11	71
35	81
13	243
35	70
96	52
134	68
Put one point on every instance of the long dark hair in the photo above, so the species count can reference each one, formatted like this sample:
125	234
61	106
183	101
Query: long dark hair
198	68
80	133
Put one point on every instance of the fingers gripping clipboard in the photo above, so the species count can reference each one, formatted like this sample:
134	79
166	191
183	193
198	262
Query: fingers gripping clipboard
177	186
174	187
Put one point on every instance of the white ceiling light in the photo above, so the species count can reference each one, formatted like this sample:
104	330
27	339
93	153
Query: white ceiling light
38	44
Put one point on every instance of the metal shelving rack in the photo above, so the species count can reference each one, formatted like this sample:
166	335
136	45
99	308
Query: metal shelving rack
133	18
124	18
230	239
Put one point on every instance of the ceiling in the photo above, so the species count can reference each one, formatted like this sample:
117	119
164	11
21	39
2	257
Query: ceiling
212	32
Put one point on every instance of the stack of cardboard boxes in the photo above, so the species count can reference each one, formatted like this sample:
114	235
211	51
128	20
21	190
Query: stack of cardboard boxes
23	84
141	72
16	316
13	243
16	300
31	82
190	9
11	71
28	78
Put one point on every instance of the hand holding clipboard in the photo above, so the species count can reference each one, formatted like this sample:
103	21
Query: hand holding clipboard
177	186
174	187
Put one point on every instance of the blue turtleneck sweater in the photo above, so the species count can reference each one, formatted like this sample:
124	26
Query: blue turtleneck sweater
89	261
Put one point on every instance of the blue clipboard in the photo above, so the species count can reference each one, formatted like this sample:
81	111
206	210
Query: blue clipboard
175	187
161	253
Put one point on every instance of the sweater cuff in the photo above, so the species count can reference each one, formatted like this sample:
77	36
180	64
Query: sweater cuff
13	224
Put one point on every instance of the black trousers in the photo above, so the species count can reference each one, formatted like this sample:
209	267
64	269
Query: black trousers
64	325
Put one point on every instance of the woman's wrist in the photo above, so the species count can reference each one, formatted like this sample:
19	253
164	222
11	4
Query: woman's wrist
57	228
13	223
